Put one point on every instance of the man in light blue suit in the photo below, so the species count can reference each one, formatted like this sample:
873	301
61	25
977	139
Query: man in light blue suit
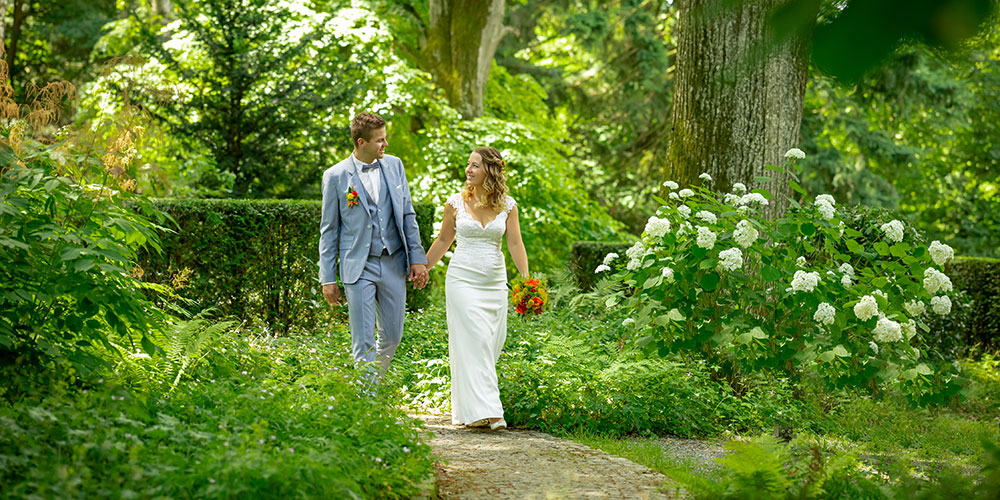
368	225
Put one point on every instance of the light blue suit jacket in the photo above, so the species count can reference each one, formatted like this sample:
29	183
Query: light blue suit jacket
344	232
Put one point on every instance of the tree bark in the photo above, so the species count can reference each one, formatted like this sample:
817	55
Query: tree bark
738	93
162	8
3	22
462	37
20	13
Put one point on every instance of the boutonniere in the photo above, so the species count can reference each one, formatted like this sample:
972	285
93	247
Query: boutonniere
352	197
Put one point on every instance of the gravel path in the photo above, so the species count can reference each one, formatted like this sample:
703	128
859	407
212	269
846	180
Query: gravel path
528	465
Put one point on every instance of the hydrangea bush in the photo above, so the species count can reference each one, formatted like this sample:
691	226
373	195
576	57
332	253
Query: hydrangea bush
806	293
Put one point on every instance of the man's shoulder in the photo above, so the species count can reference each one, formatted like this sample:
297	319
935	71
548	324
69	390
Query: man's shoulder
392	160
339	168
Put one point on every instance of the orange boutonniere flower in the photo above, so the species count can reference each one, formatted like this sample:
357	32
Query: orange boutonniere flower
352	197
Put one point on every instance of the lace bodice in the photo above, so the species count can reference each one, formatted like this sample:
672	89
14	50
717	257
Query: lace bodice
478	245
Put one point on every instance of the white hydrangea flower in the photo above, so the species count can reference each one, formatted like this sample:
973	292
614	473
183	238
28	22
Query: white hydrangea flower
935	280
610	258
866	308
874	346
941	304
667	274
635	255
909	329
745	234
686	193
882	294
796	153
846	269
685	228
941	253
753	198
739	188
731	199
601	268
887	330
684	210
705	177
825	198
915	307
826	210
841	227
657	227
730	260
673	196
893	230
706	238
671	184
805	282
706	216
846	280
628	321
800	262
825	314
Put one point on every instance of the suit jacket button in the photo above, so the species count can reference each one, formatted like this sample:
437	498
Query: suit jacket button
367	245
369	226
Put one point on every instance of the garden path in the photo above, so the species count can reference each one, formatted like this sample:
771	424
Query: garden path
528	465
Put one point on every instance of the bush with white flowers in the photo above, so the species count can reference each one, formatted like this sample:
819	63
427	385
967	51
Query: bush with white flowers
811	293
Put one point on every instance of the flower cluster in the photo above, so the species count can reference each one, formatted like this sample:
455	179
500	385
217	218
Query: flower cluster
730	260
529	296
893	230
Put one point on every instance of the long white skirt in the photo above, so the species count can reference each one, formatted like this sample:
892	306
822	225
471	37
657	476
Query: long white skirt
476	300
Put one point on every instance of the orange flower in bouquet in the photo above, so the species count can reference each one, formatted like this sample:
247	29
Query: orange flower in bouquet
529	297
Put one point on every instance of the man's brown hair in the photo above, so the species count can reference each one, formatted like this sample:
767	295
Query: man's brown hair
363	124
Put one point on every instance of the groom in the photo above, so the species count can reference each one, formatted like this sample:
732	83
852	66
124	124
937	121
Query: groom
369	226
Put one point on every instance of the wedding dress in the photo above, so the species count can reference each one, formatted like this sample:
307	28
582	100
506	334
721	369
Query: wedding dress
476	299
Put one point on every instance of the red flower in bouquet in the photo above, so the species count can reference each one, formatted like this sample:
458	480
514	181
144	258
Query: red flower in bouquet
529	296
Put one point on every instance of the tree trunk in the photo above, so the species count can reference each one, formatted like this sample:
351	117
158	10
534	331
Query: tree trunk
20	13
462	37
738	93
162	8
3	23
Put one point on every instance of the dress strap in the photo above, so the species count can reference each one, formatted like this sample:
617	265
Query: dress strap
509	201
456	201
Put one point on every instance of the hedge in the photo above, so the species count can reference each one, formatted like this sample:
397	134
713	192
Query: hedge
253	259
979	278
585	256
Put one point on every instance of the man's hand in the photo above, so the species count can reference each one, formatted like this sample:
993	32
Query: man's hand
332	293
419	276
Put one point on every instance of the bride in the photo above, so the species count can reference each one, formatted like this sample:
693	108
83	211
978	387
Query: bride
476	286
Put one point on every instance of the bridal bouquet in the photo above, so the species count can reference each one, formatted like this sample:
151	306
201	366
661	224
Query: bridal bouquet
529	296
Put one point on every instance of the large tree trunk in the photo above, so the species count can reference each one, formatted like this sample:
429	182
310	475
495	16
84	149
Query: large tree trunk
738	93
3	22
162	8
462	37
21	12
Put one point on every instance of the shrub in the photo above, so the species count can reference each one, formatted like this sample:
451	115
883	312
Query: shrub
803	294
255	260
979	277
585	256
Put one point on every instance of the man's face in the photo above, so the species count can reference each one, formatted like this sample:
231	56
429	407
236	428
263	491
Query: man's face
374	147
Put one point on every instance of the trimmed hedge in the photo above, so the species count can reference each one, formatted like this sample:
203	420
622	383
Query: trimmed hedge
253	259
979	278
585	256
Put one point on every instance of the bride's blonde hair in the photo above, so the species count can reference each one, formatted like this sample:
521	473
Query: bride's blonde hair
495	185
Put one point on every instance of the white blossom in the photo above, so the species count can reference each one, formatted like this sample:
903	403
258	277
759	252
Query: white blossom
935	280
796	153
941	304
706	216
730	260
731	199
915	307
686	193
866	308
893	230
941	253
635	254
684	210
671	184
745	234
887	330
657	227
601	268
825	198
805	282
753	198
739	188
882	294
706	238
609	258
667	274
874	346
846	280
825	314
684	229
909	329
800	262
826	210
628	321
846	269
673	196
705	177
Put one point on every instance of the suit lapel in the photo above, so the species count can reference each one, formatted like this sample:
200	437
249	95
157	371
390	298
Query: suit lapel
355	182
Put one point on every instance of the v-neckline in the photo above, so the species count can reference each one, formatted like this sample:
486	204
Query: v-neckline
482	226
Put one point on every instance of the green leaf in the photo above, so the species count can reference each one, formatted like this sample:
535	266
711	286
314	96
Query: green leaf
770	273
651	282
763	178
148	345
611	302
923	369
709	281
853	233
881	248
827	356
71	253
795	186
808	228
84	265
854	246
840	351
707	264
900	250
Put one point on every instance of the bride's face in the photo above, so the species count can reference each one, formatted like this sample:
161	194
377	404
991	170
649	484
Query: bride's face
474	172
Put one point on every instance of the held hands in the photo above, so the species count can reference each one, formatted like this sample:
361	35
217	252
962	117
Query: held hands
419	276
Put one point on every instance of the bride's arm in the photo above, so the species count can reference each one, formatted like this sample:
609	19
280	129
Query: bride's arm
444	239
514	243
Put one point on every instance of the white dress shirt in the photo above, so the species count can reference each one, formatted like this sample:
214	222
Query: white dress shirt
371	178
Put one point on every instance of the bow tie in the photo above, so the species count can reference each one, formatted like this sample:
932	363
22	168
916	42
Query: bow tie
365	168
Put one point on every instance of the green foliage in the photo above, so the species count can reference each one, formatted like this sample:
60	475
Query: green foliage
980	279
755	294
256	419
253	260
67	259
585	256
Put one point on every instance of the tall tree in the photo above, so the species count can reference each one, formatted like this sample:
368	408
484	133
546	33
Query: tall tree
735	110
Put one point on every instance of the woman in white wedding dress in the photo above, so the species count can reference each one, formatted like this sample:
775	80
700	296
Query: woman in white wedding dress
476	286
